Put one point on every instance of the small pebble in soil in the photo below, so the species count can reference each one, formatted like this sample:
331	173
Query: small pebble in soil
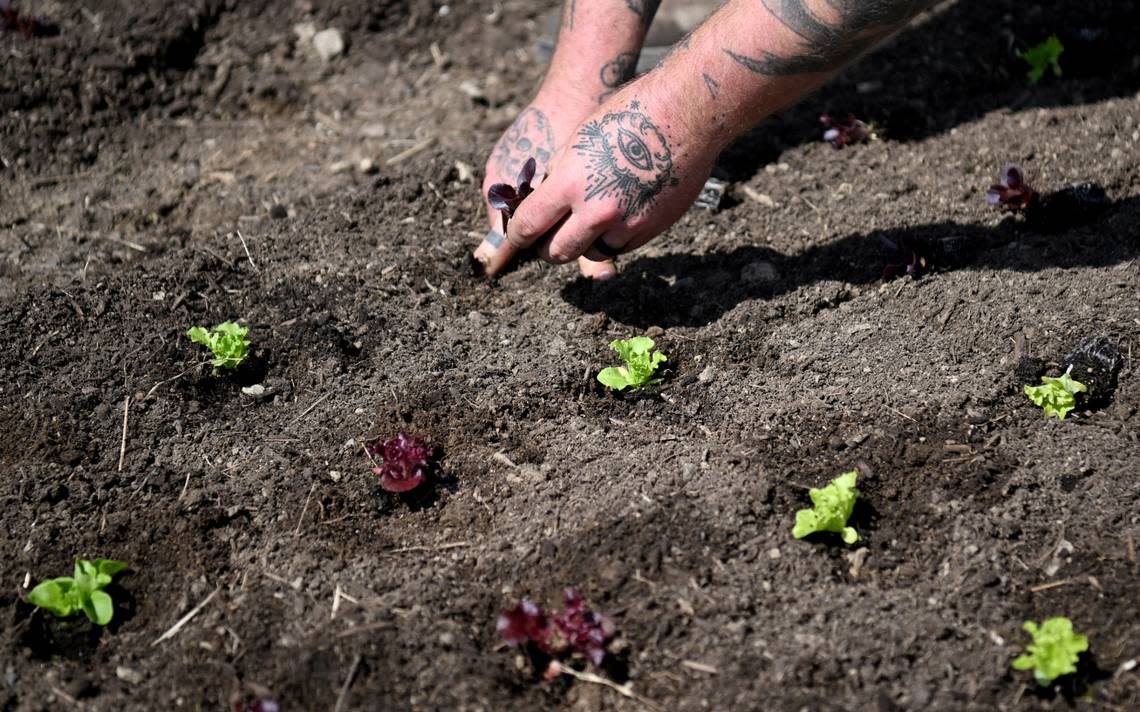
328	43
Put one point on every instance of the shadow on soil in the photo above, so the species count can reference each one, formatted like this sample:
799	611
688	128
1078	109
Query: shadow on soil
959	66
696	290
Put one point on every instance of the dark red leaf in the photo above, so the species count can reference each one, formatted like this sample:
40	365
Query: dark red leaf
845	133
524	622
1011	192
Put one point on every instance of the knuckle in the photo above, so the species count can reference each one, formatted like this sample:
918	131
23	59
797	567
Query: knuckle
522	229
561	254
603	218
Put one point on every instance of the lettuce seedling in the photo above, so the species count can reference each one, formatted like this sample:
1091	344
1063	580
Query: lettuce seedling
1057	396
640	364
576	630
1011	192
226	341
506	198
12	19
1043	57
1054	651
404	461
67	595
832	508
845	133
260	704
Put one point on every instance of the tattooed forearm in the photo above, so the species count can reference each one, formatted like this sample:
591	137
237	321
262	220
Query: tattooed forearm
616	73
630	159
832	32
645	9
530	136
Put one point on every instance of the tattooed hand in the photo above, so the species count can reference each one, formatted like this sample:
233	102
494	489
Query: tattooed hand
538	131
628	174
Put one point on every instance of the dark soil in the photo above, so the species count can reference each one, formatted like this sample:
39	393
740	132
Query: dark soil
138	143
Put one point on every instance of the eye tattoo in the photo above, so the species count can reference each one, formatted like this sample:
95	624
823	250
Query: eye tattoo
629	158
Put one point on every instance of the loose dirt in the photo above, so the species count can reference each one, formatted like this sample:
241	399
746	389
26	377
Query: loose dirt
143	139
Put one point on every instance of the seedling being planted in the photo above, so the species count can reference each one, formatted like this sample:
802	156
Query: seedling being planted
506	198
1057	396
404	461
1011	192
1054	651
576	631
226	342
845	133
641	363
832	508
1043	57
66	596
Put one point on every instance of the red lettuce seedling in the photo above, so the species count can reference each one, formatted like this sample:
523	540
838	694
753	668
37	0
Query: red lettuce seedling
506	198
404	461
1011	192
575	631
845	133
261	704
12	20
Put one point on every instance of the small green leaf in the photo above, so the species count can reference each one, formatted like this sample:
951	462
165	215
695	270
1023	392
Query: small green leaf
53	596
614	377
109	567
100	608
1054	651
199	336
832	508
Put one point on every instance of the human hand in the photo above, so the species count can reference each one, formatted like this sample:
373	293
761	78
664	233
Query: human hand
630	171
538	132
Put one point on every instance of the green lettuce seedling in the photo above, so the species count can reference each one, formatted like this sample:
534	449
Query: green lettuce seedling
833	505
1042	58
1054	650
67	595
226	341
1056	395
639	366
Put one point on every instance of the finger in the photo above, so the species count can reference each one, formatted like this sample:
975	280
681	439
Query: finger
569	241
609	245
489	246
600	271
636	241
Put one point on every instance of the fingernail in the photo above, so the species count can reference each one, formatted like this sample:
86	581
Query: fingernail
604	275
